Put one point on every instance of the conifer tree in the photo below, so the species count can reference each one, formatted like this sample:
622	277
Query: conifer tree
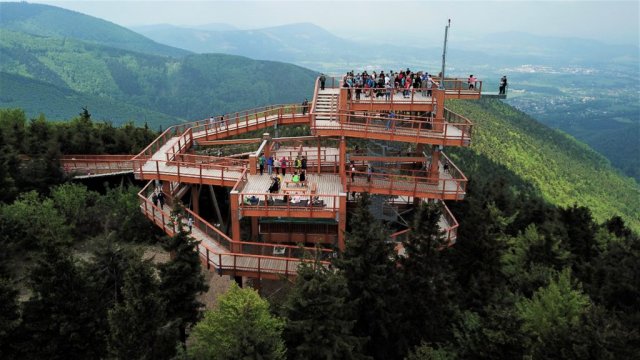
9	318
59	319
181	278
368	263
477	255
319	319
427	280
552	312
241	327
136	324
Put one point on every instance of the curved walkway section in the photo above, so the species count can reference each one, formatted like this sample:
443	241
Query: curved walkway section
220	253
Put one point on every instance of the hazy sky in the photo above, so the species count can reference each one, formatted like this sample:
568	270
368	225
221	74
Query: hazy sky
609	21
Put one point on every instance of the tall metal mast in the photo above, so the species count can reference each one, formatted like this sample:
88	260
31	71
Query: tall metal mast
444	52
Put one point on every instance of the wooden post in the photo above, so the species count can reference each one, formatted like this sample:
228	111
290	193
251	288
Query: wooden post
234	197
195	198
341	161
267	147
253	161
342	220
254	228
434	170
319	158
438	122
214	200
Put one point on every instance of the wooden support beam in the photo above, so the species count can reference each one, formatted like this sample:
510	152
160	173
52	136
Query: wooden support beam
319	155
228	142
253	163
341	160
438	124
434	170
254	228
234	197
342	220
195	198
214	200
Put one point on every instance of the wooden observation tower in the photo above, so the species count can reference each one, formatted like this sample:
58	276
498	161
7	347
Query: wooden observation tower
258	234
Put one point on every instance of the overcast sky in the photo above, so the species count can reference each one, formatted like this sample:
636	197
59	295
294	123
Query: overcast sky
608	21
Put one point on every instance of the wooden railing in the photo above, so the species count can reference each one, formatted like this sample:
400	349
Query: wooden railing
182	145
96	164
186	171
392	96
308	203
244	119
209	160
417	186
411	126
253	250
460	87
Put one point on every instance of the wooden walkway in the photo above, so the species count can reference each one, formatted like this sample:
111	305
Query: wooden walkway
218	257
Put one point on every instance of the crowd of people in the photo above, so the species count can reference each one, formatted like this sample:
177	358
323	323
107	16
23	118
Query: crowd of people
383	84
274	165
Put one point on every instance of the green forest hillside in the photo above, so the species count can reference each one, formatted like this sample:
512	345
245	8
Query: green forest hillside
191	87
60	103
51	21
563	170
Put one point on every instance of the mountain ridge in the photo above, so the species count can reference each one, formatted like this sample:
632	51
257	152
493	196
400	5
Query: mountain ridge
52	21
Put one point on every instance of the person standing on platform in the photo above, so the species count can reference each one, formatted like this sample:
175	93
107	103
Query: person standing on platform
323	79
283	166
190	224
503	85
298	164
261	161
161	199
304	163
270	165
154	198
369	172
276	164
353	170
472	82
305	106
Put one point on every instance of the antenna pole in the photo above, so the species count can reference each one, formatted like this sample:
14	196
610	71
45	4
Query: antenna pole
444	52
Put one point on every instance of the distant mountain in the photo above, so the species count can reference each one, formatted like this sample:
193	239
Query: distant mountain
562	170
51	21
304	44
191	87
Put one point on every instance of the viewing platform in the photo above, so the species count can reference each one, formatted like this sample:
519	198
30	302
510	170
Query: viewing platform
284	224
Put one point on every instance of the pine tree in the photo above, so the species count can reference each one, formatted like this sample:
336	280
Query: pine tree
477	255
368	263
9	318
426	280
552	312
59	319
319	319
181	279
241	327
136	324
